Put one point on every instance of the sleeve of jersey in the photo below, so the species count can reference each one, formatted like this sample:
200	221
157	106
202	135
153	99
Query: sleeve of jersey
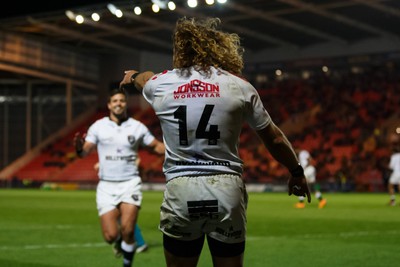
257	116
149	91
91	135
154	85
148	137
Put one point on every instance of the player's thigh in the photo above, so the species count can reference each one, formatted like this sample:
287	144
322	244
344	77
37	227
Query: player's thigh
226	254
175	261
129	214
236	261
182	253
109	225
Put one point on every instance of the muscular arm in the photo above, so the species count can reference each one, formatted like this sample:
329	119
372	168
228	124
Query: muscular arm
139	81
279	146
281	149
157	147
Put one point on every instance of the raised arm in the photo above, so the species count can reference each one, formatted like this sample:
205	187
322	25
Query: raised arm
138	79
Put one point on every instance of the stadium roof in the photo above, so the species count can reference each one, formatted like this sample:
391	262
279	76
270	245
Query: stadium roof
262	24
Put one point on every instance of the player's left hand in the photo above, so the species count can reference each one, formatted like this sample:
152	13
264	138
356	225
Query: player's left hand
298	186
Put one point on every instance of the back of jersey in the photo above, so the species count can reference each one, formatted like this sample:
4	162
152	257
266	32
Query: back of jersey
201	118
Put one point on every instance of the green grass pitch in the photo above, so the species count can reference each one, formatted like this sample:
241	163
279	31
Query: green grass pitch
61	229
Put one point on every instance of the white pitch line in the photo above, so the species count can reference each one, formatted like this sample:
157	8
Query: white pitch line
308	236
315	236
54	246
41	227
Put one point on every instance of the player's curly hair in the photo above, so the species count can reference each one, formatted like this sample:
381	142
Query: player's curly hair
198	44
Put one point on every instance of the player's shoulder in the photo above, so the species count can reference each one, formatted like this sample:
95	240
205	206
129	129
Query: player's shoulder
132	120
135	122
162	75
240	79
229	75
98	124
103	120
243	83
100	121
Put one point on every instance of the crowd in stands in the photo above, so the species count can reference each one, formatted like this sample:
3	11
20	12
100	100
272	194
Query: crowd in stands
344	121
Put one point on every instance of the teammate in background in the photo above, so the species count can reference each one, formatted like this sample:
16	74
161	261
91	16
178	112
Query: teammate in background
117	138
310	173
394	179
141	245
202	105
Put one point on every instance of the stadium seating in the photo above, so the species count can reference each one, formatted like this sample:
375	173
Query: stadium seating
343	123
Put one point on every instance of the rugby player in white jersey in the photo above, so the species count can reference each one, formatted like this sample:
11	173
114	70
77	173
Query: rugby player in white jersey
202	105
310	172
118	138
394	180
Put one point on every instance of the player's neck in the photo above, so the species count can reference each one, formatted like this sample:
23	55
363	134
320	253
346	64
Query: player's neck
118	119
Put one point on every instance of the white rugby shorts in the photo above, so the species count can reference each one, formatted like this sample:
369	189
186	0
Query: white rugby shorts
394	178
310	174
110	194
213	205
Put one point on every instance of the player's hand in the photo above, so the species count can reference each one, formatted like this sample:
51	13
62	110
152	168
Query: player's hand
79	141
127	78
298	186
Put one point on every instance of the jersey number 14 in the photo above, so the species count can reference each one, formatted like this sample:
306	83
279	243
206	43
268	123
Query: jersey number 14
201	132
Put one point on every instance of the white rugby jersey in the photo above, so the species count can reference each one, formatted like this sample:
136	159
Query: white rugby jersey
394	163
304	158
201	119
117	147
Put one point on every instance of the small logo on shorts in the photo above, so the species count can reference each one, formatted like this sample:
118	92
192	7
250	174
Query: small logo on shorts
229	232
135	197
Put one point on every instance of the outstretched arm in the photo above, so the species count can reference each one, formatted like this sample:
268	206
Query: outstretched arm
281	149
138	79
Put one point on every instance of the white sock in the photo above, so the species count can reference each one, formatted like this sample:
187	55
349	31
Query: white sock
127	247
